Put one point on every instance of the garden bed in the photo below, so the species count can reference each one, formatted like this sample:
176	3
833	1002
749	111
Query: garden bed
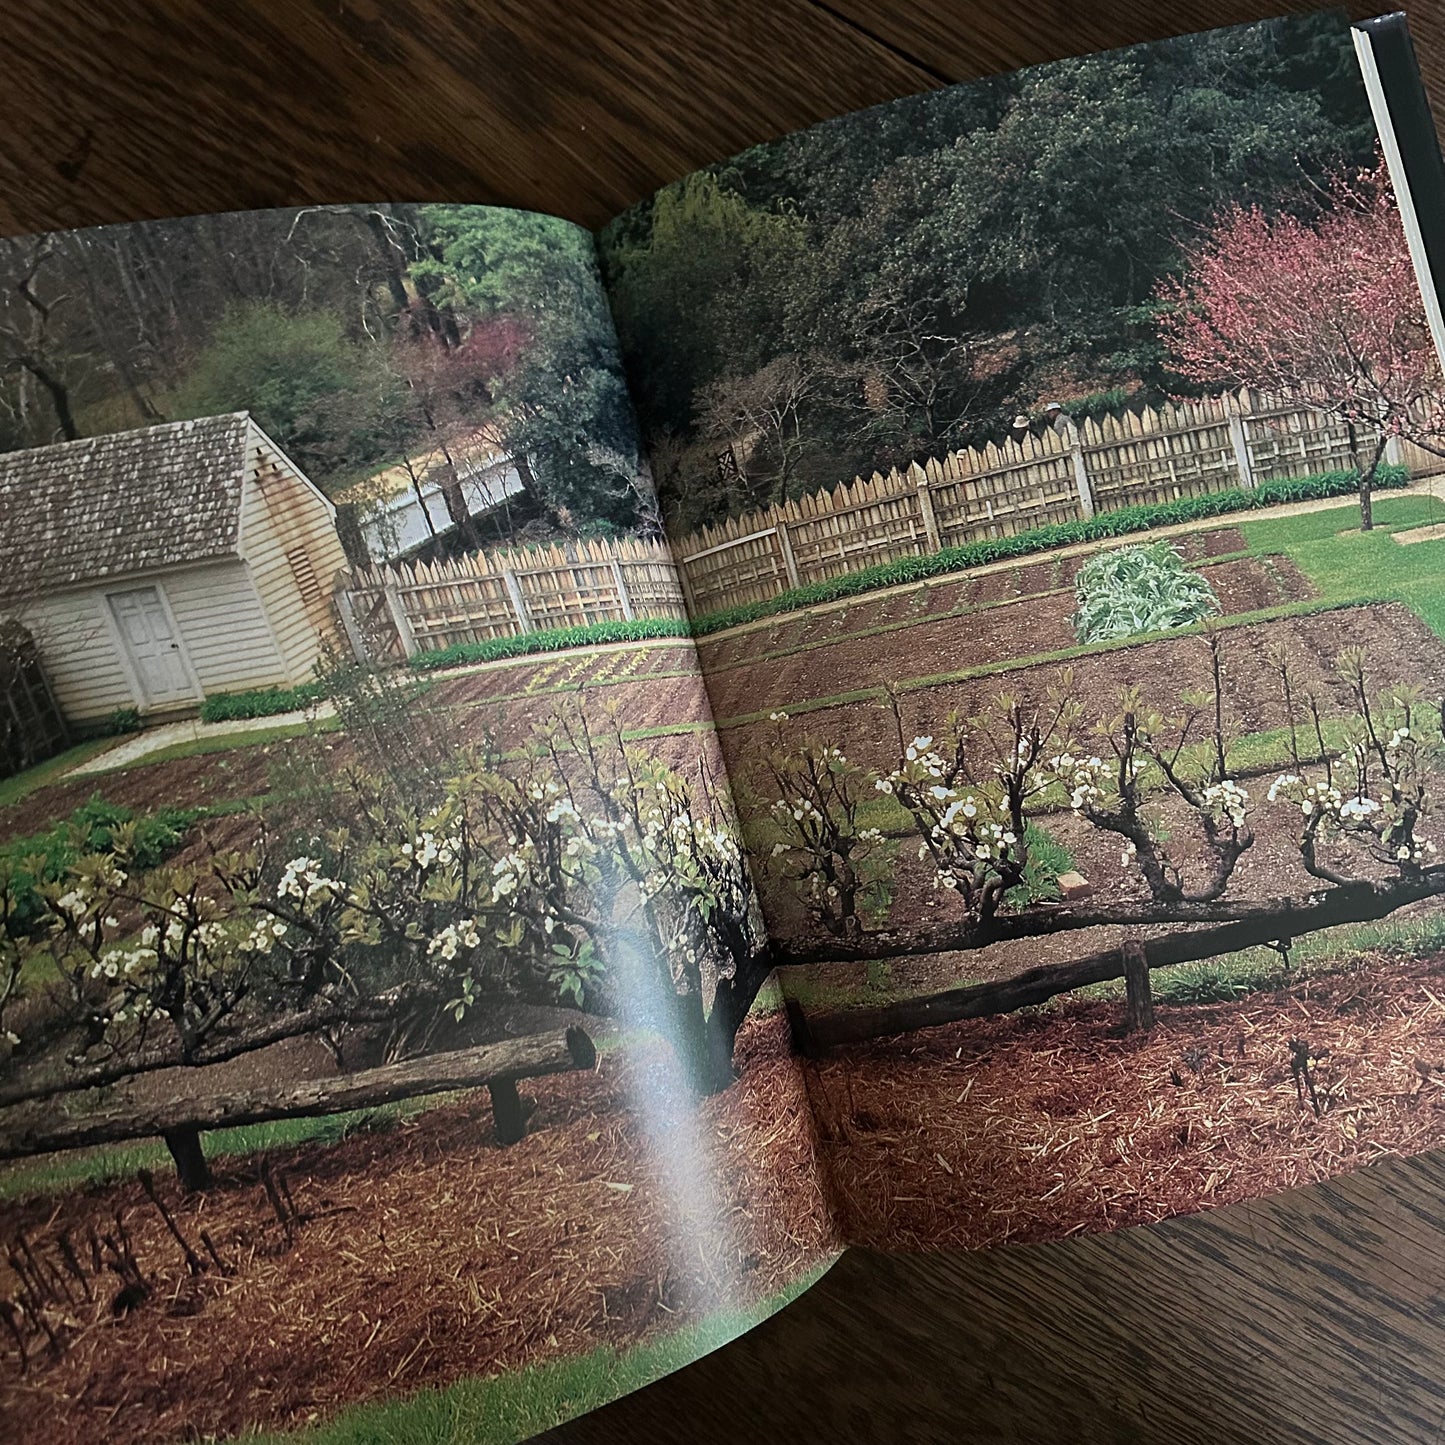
929	599
503	703
1044	1125
1397	644
999	632
430	1256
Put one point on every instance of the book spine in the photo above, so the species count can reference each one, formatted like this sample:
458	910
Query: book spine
1412	152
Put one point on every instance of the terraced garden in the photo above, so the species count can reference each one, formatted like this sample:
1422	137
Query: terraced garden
901	1119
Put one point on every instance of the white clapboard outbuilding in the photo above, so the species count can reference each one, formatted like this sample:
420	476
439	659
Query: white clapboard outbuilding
157	567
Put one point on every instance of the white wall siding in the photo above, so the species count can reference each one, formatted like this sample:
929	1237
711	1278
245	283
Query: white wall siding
223	627
80	655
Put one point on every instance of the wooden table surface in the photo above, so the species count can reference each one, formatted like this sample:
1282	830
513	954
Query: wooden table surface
1316	1316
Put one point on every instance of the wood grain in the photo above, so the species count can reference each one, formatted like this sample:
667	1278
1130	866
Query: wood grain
1313	1316
133	109
1316	1316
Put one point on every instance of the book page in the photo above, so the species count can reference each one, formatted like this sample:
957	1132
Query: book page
1052	465
384	1035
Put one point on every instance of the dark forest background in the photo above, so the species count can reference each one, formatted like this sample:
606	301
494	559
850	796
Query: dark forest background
904	281
358	336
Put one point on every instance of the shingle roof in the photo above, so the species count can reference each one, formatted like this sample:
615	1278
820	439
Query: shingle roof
128	502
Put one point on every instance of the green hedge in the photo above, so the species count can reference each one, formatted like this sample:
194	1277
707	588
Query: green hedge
1041	539
260	702
555	640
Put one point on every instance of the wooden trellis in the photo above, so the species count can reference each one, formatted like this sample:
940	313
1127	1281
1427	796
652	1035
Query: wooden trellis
32	727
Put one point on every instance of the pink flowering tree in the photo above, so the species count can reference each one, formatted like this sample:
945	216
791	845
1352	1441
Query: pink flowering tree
1327	308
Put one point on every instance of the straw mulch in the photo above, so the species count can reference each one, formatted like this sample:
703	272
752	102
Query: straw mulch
1045	1125
430	1254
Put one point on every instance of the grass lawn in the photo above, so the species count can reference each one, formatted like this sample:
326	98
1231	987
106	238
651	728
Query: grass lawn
19	787
507	1408
1232	975
1345	563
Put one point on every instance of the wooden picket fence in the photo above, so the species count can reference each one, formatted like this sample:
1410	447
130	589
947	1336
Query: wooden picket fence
1182	449
393	612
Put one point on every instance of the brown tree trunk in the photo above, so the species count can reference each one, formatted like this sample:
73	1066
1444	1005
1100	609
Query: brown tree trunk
25	1132
1138	997
1367	478
58	393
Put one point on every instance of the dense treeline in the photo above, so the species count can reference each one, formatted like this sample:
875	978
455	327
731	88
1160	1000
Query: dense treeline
359	336
896	283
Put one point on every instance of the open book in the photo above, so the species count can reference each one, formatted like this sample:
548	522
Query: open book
550	783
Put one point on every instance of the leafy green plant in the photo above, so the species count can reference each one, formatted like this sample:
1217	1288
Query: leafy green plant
121	721
260	702
1047	859
96	827
1138	589
572	969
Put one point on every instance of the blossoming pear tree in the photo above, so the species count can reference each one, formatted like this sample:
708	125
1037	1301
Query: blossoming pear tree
1165	785
585	874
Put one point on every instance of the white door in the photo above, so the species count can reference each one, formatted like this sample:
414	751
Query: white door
153	646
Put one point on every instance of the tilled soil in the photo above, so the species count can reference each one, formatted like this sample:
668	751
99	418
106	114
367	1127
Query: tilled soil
993	634
931	598
511	718
1398	645
502	705
429	1254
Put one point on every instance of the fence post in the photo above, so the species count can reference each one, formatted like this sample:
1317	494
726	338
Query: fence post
684	582
622	594
785	546
1138	996
925	506
398	615
1081	470
519	603
347	615
1240	442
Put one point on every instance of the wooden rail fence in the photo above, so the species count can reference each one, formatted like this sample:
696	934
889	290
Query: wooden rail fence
393	612
1182	449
